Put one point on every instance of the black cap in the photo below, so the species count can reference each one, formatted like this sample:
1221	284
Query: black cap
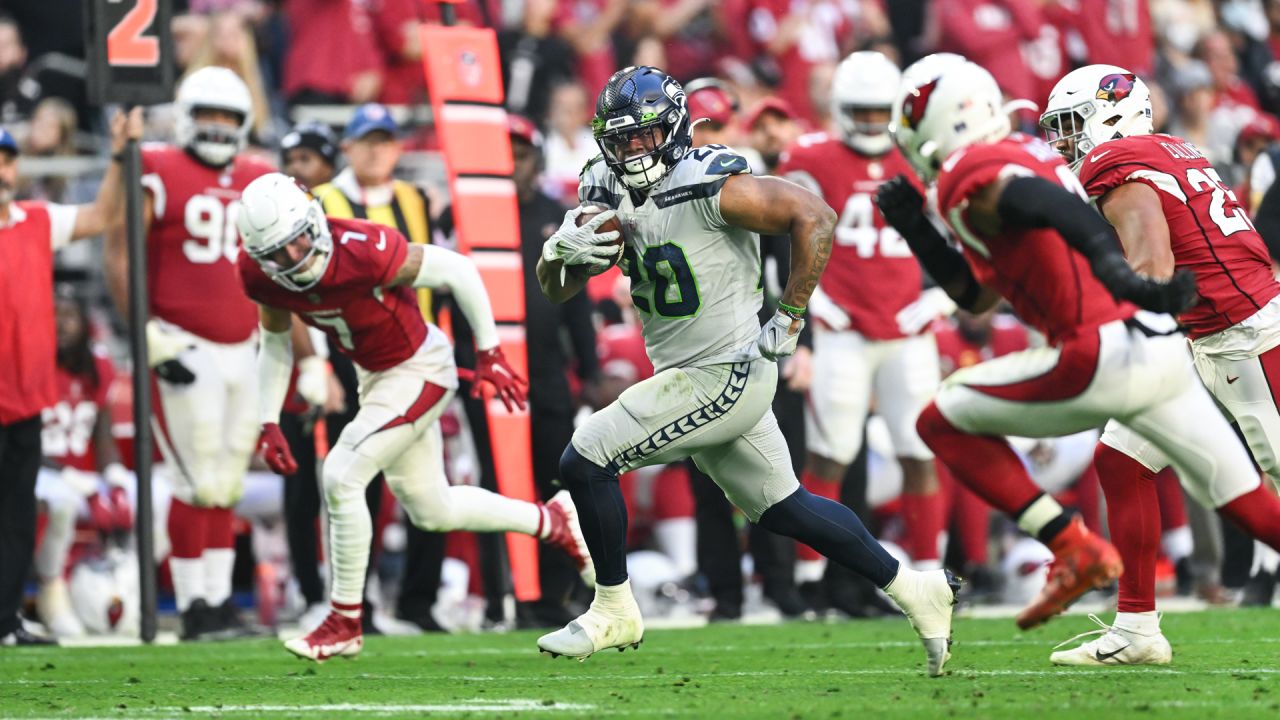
314	135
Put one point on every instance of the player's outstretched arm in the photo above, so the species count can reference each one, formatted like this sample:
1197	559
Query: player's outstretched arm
558	283
1034	202
434	267
431	266
773	206
107	210
275	364
1138	216
903	208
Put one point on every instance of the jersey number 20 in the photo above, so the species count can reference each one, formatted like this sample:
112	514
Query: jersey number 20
674	291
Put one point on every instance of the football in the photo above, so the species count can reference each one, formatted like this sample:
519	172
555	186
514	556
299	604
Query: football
609	225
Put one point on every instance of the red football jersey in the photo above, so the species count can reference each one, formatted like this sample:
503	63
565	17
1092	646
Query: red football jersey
956	351
1050	285
872	273
376	326
67	436
193	243
1209	230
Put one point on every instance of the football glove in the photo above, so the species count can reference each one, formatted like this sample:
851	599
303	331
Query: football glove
901	204
163	348
779	336
313	380
931	305
275	451
581	246
492	368
1171	296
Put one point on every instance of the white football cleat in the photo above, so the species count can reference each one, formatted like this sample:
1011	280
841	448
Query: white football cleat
1117	646
927	599
565	532
613	623
338	635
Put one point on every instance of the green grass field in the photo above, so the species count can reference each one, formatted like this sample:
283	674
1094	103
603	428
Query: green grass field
1226	664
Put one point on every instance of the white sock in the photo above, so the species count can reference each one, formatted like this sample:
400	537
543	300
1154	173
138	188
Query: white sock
218	564
810	570
479	510
188	580
677	538
1042	510
1142	623
615	598
926	565
1177	543
59	533
350	531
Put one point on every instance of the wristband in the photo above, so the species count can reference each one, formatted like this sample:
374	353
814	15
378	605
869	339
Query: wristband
118	157
795	312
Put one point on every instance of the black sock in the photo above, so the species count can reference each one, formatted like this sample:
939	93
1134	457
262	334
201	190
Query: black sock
833	530
602	513
1051	528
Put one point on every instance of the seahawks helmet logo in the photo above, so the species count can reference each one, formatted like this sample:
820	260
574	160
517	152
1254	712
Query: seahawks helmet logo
1115	88
914	105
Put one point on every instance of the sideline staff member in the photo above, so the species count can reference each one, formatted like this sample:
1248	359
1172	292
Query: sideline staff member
30	232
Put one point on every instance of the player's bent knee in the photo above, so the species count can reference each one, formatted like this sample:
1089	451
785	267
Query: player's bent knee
574	468
932	424
345	475
433	514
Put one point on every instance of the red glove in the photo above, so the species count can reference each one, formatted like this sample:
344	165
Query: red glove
492	367
121	512
275	451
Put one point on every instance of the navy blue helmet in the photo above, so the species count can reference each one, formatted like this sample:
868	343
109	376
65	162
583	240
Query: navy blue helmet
642	125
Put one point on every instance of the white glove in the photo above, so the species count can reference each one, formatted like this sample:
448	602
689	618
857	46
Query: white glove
117	476
779	336
82	483
932	304
164	345
575	245
822	307
313	380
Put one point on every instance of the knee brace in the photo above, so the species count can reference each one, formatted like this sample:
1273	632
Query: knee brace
345	475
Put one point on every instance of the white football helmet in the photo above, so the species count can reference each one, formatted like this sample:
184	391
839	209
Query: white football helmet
934	116
864	81
221	89
1092	105
275	212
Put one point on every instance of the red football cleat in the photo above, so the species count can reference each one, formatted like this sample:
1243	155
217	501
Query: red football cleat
1082	561
337	635
565	533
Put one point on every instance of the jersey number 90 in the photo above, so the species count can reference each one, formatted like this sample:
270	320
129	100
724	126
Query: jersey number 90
212	227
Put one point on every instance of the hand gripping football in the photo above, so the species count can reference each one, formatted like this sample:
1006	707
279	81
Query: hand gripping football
609	225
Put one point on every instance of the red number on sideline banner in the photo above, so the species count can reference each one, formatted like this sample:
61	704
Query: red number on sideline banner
126	45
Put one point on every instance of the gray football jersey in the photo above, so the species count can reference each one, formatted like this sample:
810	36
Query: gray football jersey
695	279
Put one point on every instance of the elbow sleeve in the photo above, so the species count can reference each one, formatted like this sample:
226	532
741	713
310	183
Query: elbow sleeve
275	364
445	268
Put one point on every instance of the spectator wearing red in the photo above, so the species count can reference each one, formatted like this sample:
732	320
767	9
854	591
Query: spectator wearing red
800	36
333	55
1114	33
396	30
30	232
992	34
588	26
1216	52
772	126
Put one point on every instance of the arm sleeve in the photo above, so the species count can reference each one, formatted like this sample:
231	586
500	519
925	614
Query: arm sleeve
446	268
1034	202
62	223
275	363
